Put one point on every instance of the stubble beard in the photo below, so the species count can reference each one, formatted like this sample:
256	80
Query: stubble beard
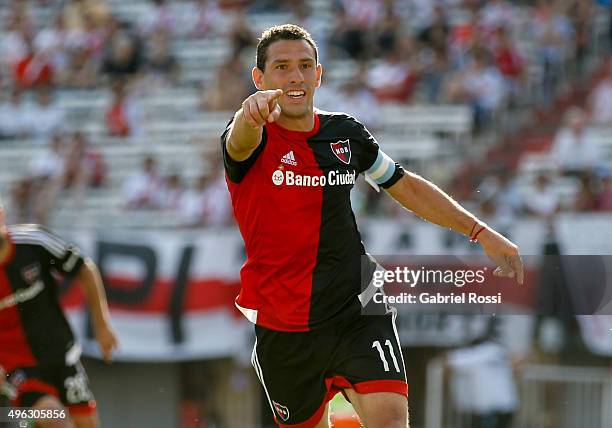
301	114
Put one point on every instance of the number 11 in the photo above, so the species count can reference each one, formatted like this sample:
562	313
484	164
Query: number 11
376	344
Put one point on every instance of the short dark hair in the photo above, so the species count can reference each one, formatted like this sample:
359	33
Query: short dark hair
281	32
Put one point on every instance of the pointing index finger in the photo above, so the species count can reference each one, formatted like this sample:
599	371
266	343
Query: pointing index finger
273	94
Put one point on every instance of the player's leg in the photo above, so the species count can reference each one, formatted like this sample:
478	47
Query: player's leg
77	396
47	402
324	422
291	367
85	421
370	363
380	409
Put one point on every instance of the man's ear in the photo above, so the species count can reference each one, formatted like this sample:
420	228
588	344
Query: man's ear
257	75
319	74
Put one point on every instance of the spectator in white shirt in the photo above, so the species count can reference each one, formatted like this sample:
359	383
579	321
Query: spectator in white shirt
192	206
142	189
45	118
13	116
575	149
52	40
541	199
50	163
172	192
14	46
391	79
484	83
482	384
207	204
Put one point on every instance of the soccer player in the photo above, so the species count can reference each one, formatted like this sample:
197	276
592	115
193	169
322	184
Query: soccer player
37	347
289	170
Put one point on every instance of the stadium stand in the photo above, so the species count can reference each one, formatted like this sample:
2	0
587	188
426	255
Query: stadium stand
177	131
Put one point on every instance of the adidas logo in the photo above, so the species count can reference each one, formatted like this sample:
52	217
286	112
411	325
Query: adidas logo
289	159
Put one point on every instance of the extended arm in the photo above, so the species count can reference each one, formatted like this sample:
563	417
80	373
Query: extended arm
429	202
247	128
91	282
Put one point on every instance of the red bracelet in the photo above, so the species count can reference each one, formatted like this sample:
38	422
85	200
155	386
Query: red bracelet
475	237
472	231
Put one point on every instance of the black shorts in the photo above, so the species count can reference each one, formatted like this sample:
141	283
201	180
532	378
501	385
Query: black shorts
67	383
302	371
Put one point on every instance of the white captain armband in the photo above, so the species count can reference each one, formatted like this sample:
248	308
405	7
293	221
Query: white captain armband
384	172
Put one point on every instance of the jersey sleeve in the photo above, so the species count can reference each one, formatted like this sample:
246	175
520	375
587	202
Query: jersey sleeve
62	256
236	170
376	164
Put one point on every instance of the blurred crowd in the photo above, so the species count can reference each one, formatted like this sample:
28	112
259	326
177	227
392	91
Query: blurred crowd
491	55
68	163
575	164
83	44
205	204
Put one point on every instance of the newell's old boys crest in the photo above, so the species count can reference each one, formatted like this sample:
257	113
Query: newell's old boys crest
342	150
281	410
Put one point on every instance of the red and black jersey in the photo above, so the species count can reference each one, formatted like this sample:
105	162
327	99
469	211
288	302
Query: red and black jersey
33	328
291	200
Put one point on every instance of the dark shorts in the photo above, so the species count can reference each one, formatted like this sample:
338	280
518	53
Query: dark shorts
67	383
302	371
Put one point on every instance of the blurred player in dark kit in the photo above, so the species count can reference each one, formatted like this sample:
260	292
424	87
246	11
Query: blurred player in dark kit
38	352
